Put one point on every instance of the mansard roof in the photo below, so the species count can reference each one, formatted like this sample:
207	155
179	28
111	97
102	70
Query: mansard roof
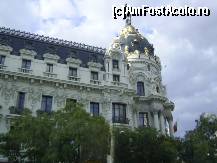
43	44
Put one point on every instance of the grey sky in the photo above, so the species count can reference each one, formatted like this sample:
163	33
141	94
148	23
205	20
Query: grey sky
187	46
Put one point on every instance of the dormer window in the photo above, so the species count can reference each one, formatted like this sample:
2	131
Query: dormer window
73	72
49	68
26	64
94	75
2	60
49	71
115	64
140	89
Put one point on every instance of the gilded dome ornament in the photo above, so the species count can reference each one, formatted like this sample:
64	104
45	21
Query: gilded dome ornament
146	51
126	49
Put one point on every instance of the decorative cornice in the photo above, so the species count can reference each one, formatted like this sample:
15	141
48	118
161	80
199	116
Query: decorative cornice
47	39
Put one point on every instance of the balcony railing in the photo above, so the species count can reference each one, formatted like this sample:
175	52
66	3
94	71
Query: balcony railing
50	74
97	82
2	67
74	78
119	119
25	70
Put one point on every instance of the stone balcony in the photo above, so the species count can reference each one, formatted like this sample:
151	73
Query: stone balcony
2	67
25	70
96	82
74	78
50	74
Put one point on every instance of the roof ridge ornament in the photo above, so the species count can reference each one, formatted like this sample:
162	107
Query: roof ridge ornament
47	39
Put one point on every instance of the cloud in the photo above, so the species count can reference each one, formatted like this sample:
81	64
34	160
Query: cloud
186	45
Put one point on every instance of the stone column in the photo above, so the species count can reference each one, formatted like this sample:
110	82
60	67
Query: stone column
162	123
156	121
170	121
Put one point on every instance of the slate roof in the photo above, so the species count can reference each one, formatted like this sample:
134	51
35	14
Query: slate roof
43	44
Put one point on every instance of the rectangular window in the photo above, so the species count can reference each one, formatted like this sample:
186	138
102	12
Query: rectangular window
20	101
73	71
70	101
115	64
143	119
26	64
46	104
49	68
116	78
140	89
2	60
119	113
94	108
94	75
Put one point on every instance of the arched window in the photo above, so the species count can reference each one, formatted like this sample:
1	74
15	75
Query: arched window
157	89
140	89
149	68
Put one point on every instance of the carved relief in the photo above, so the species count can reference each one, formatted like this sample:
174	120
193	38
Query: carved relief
35	96
60	99
138	77
8	91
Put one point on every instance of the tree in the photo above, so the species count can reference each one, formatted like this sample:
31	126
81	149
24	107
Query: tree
200	144
68	135
144	145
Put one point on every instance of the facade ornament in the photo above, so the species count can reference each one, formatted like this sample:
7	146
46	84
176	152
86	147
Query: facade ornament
73	62
126	49
94	65
5	50
51	58
116	45
35	96
8	92
26	53
146	51
59	98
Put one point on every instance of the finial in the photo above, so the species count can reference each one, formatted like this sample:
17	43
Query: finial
128	18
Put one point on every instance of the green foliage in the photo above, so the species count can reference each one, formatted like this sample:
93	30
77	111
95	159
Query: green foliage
200	144
143	145
68	135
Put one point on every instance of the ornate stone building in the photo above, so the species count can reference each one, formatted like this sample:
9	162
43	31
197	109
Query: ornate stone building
122	83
